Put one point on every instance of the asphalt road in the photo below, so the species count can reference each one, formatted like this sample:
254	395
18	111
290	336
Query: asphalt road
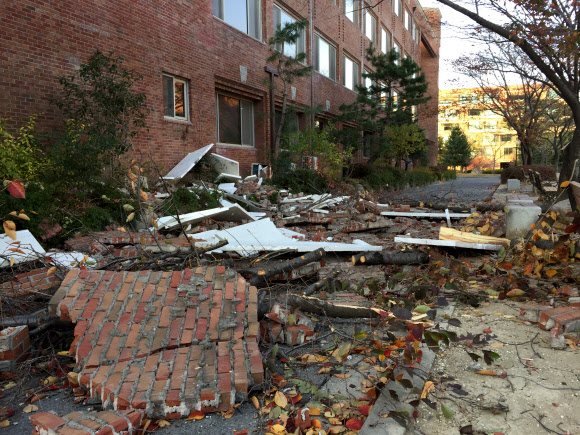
462	191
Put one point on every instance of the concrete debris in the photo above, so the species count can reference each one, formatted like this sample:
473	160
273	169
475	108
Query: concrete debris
24	248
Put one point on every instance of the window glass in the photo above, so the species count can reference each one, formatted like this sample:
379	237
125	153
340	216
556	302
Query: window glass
385	40
175	98
351	10
397	48
230	120
350	73
324	58
244	15
370	26
281	18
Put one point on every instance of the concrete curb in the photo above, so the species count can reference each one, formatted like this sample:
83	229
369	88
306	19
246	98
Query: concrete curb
374	424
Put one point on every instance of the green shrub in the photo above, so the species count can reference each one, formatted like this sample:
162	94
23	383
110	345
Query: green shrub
299	180
546	172
188	201
20	155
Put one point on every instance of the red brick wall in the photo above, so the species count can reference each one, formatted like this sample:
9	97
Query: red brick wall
36	280
43	40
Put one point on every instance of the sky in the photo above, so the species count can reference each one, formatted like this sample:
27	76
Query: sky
453	45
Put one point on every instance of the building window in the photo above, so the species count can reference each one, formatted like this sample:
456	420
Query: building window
385	40
506	137
368	81
281	18
408	20
508	151
351	10
350	73
370	27
398	7
415	32
235	121
395	99
244	15
175	98
397	48
474	112
324	58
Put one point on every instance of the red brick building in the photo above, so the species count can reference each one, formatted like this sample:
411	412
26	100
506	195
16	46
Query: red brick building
203	62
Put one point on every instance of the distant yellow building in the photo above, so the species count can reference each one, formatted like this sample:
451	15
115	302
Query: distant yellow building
493	141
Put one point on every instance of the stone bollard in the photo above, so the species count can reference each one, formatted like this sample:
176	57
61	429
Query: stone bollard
513	184
519	218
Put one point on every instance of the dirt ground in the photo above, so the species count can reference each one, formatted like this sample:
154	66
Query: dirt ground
539	394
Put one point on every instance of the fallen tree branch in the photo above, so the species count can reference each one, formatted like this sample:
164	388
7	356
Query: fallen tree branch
320	307
260	275
318	285
399	258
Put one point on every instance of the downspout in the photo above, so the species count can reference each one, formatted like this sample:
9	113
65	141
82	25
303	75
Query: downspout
311	68
273	72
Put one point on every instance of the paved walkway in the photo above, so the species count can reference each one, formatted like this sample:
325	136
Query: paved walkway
463	191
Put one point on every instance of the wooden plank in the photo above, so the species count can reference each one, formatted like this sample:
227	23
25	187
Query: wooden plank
448	243
460	236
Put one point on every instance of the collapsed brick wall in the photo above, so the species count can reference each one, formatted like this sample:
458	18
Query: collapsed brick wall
167	343
34	280
14	347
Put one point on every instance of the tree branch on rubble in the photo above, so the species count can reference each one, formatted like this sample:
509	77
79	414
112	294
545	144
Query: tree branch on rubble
261	275
398	258
323	308
319	285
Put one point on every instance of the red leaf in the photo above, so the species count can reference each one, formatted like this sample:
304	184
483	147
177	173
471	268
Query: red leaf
364	410
415	414
354	424
16	189
570	229
487	330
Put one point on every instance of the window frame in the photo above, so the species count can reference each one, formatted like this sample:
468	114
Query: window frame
356	12
399	49
218	6
408	20
373	19
398	8
252	120
416	35
185	83
389	38
355	72
301	42
317	38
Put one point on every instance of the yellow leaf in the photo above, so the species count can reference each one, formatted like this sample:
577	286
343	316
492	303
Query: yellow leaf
497	345
336	429
23	217
73	377
51	271
144	195
130	217
421	204
123	230
565	184
131	175
278	429
553	215
515	293
30	408
11	261
163	423
10	229
427	388
9	385
551	272
256	402
280	399
314	411
64	353
487	373
4	423
324	370
50	380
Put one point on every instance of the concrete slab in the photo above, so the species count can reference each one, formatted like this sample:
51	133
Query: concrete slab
513	184
187	163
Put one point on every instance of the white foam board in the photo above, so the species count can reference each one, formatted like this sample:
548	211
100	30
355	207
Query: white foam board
31	249
187	163
232	213
448	243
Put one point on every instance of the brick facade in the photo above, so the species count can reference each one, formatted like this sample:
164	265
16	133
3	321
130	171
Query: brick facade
44	40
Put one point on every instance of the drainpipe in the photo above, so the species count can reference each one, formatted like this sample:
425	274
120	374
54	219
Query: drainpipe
273	72
311	68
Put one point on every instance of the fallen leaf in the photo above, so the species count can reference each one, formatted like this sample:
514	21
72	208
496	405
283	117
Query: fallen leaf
9	385
316	423
497	345
427	388
163	423
30	408
342	375
130	217
551	272
280	399
4	423
196	415
51	271
256	402
565	184
314	411
10	229
354	424
324	370
487	331
515	293
16	189
486	372
447	412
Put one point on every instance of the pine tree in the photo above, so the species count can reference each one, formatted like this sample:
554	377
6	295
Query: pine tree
457	151
397	87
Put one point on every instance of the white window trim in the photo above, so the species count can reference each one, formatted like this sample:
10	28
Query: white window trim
186	98
252	122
